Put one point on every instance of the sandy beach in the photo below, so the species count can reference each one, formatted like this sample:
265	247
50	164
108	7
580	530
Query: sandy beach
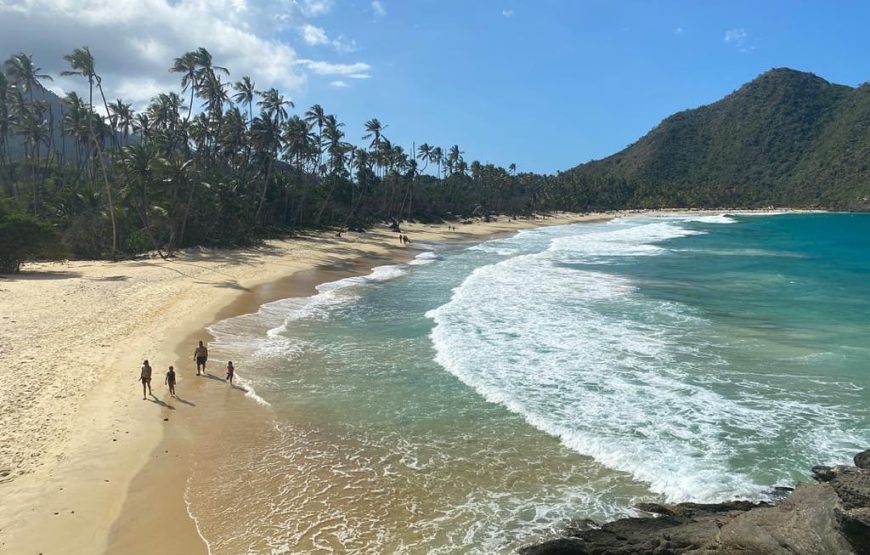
87	466
74	430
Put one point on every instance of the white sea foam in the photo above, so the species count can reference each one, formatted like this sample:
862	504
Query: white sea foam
582	356
719	219
424	258
627	240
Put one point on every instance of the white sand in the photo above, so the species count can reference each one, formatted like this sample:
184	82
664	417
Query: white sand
73	427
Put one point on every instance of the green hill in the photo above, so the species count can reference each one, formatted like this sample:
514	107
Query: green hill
787	138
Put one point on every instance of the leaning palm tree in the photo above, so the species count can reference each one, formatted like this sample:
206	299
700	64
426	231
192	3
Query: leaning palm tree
82	63
424	152
24	75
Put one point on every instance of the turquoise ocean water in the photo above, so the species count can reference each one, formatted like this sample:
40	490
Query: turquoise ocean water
484	395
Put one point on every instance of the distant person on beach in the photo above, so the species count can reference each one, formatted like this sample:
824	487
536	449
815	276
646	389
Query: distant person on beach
200	355
230	372
145	377
170	380
407	240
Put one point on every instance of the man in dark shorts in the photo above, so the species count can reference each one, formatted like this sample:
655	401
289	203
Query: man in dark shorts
200	355
145	377
170	380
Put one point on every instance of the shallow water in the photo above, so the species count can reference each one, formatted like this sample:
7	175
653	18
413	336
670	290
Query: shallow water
480	396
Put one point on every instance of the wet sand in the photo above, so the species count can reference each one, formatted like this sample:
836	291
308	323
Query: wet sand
94	468
87	465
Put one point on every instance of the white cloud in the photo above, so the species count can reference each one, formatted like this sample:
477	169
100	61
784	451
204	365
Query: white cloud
314	35
735	35
378	8
313	8
134	42
739	38
344	45
339	84
357	70
507	13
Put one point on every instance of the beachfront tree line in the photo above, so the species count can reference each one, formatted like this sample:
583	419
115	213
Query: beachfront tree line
221	162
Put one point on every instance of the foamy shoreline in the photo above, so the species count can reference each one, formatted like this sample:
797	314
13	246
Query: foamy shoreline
75	334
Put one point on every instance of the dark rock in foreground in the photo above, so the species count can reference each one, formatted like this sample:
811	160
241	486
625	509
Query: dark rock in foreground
831	517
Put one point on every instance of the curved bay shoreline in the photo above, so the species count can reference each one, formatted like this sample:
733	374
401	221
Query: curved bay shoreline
83	460
111	462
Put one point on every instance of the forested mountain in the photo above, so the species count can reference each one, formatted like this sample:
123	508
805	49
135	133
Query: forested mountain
786	138
221	162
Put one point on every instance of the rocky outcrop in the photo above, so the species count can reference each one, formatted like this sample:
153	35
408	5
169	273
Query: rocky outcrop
829	517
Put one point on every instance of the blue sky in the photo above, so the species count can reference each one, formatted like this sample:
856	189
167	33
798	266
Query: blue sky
545	84
548	84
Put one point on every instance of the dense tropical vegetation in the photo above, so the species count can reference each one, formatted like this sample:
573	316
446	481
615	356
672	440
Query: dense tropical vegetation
222	162
787	138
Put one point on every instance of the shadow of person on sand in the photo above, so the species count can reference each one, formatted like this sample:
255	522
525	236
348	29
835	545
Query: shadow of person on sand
184	401
240	388
157	401
213	377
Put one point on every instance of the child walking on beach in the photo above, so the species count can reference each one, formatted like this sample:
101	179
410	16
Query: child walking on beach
230	372
145	377
170	380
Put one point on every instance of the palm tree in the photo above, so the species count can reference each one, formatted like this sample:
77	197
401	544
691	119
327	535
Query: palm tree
5	118
512	169
121	117
266	140
32	126
454	154
273	104
82	63
316	116
24	75
438	158
245	95
197	67
374	131
186	64
424	152
298	142
141	159
142	125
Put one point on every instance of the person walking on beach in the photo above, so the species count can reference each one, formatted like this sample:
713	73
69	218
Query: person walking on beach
145	377
170	381
230	372
200	355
